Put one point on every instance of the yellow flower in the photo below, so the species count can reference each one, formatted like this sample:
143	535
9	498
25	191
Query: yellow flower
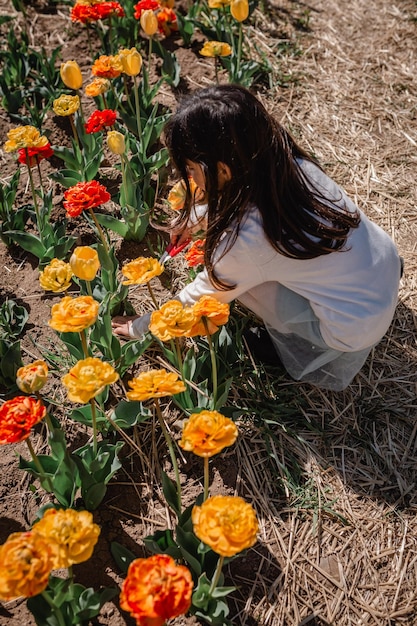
171	320
141	270
97	87
176	196
71	75
216	49
72	315
218	4
66	105
24	137
227	524
131	61
149	22
88	378
207	433
56	276
26	561
71	535
213	312
84	262
239	9
31	378
154	384
116	142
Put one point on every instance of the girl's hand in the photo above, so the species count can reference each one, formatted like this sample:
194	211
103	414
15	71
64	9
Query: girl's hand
177	237
122	325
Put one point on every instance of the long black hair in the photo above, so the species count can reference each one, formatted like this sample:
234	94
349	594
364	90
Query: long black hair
228	124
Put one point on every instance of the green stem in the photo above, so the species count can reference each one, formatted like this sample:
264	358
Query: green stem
149	53
216	576
124	183
77	91
89	290
171	450
84	343
35	202
239	47
213	362
55	609
89	43
74	130
136	92
94	422
38	167
39	467
206	477
151	293
99	230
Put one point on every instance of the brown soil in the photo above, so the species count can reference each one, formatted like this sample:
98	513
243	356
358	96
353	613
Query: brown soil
349	97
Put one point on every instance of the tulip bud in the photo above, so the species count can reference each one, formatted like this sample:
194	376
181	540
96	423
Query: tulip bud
131	61
239	9
116	142
84	262
71	75
31	378
149	22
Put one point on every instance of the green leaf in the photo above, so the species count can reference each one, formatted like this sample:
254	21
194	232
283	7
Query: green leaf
122	556
29	242
129	413
108	221
162	542
169	489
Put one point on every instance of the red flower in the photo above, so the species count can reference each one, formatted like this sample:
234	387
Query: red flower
145	5
108	9
98	120
33	156
84	196
84	13
17	416
156	589
167	21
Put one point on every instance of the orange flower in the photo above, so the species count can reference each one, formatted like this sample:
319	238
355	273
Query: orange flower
31	378
172	320
26	561
207	433
227	524
107	66
72	315
167	21
97	87
33	156
154	384
71	535
88	378
195	255
214	313
141	270
17	416
84	196
156	589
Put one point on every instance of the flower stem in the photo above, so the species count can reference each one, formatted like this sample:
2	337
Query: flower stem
39	467
206	477
213	361
216	576
94	423
89	290
171	450
35	202
89	43
138	122
151	293
84	343
239	47
124	184
99	230
74	130
54	608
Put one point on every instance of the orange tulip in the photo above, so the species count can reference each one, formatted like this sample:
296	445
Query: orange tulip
17	416
213	312
207	433
154	384
72	315
172	320
31	378
141	270
88	378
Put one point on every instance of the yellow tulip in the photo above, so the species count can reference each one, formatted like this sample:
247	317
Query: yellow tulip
85	263
56	276
172	320
31	378
227	524
72	315
149	22
66	105
216	49
239	9
88	378
71	75
141	270
218	4
154	384
71	535
116	142
131	61
24	137
97	87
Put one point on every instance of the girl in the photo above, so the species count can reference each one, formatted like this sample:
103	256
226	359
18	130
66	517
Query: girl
281	237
